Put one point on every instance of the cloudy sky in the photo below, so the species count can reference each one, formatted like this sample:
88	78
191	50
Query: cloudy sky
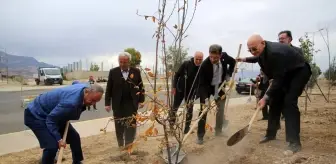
64	31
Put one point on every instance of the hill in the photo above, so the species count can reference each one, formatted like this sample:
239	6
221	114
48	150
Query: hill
20	65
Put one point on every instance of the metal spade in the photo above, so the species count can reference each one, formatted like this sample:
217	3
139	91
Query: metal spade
238	136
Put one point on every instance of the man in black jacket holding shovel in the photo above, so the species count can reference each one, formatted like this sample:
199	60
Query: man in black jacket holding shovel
263	85
213	73
290	74
183	87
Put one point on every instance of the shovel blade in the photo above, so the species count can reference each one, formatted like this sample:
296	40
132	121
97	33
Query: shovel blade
173	149
238	136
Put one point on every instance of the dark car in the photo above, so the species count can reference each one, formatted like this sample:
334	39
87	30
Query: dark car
244	86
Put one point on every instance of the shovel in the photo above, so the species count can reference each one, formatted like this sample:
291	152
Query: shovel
226	122
60	154
238	136
175	148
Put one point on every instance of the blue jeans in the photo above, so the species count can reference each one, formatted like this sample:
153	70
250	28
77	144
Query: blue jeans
47	141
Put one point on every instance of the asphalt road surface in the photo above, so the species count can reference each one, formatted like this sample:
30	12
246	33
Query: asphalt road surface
11	112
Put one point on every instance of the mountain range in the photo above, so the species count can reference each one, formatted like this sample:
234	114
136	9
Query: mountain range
20	65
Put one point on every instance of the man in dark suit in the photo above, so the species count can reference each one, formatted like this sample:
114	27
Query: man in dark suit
213	73
285	37
185	86
49	112
125	88
263	85
230	62
290	74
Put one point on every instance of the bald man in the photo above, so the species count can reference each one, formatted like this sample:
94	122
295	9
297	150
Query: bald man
183	87
290	74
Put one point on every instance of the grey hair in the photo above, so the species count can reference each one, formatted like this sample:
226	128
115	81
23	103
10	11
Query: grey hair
96	88
125	54
216	49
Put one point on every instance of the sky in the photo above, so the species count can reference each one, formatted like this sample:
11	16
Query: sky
64	31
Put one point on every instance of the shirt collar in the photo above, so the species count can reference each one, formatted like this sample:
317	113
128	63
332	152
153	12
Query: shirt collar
124	71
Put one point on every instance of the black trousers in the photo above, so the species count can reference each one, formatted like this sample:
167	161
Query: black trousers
178	98
94	106
286	100
219	119
125	124
48	142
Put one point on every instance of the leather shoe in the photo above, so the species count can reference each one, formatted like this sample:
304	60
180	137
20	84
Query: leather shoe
199	141
266	139
294	147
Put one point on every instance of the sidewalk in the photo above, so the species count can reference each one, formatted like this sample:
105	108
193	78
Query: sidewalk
13	88
19	141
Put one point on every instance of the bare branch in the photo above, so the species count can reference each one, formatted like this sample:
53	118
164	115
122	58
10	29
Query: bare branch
191	19
171	12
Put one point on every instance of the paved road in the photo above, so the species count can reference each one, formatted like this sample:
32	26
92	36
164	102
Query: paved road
11	113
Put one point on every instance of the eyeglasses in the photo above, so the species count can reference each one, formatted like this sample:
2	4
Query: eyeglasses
253	49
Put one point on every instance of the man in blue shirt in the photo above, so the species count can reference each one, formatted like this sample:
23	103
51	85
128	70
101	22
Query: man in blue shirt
48	114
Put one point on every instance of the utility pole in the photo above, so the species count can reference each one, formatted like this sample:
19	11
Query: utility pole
7	64
87	65
1	59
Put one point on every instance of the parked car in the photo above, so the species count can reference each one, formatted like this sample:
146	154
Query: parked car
244	86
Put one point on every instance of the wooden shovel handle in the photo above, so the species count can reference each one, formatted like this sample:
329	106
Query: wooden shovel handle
232	80
60	153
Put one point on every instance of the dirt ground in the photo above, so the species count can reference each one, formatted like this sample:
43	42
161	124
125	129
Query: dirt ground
318	137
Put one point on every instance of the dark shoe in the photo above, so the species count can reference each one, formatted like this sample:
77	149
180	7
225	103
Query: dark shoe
294	147
264	118
266	139
199	141
77	162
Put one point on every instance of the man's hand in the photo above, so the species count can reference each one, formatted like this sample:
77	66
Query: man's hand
261	103
141	105
61	143
240	59
173	91
258	78
108	108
